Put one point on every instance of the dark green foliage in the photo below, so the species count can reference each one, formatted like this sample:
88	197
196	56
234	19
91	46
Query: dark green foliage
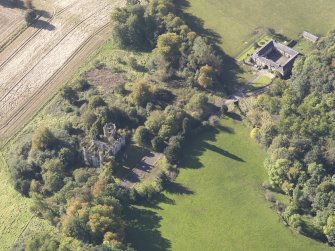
142	136
158	144
42	242
298	125
96	101
134	28
69	94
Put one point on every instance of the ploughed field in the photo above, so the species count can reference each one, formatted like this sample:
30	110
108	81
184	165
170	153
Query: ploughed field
10	20
30	65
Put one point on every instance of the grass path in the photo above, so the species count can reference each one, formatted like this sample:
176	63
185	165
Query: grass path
216	203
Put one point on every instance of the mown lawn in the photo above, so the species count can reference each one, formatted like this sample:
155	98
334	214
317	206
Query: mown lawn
236	20
217	202
262	81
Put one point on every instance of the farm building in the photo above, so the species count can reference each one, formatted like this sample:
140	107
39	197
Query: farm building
275	56
110	144
310	36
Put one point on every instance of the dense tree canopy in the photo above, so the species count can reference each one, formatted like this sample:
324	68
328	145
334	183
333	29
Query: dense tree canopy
296	119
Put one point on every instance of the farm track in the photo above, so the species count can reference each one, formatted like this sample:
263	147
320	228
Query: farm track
33	71
33	36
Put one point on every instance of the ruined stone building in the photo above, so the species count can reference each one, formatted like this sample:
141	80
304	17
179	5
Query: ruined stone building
110	144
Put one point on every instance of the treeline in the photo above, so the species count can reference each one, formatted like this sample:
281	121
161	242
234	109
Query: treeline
295	120
167	101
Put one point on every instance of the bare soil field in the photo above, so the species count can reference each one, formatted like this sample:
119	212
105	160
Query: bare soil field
105	78
10	20
34	65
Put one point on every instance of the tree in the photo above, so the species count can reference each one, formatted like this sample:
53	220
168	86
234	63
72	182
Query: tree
206	77
141	93
168	46
158	144
41	242
198	105
43	139
329	229
142	136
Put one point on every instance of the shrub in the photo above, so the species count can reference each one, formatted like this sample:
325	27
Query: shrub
269	196
69	94
82	85
96	101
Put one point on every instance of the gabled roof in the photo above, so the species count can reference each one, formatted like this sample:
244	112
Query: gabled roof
310	36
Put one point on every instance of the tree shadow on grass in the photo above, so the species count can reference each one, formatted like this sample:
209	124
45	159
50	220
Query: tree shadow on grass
143	230
155	200
177	188
222	152
196	147
226	129
234	116
230	67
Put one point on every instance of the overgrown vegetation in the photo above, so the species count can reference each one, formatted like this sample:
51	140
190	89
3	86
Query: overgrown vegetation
157	104
295	121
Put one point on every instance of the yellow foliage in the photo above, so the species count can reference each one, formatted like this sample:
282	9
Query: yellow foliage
254	133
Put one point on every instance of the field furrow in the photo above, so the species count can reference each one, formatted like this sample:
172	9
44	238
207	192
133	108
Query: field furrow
27	68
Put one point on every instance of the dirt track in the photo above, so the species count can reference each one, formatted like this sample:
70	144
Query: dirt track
33	67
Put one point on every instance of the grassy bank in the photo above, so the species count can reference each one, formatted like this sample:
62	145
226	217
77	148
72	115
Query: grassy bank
217	202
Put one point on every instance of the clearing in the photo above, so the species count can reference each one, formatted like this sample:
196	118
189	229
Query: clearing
217	202
34	66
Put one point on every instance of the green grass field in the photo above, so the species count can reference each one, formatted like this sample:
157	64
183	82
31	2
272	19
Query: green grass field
217	202
250	50
262	81
236	20
14	212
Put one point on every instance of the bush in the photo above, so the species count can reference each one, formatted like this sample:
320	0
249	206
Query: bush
96	101
269	196
82	85
98	64
69	94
